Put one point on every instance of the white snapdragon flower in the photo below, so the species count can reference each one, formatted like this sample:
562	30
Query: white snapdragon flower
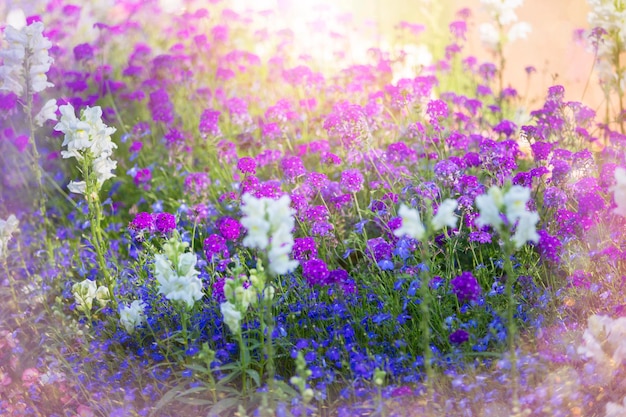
25	60
515	202
519	30
103	295
47	112
7	228
16	18
84	294
489	207
77	187
269	224
255	222
445	215
619	191
178	282
412	225
489	35
132	316
605	341
87	135
232	317
526	229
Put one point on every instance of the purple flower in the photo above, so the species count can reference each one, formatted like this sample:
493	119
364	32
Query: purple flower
352	180
142	222
292	167
229	228
465	287
209	122
304	248
458	337
143	176
215	248
165	223
161	107
315	271
83	51
196	183
246	165
436	109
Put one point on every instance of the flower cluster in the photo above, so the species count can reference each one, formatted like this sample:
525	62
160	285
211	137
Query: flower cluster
176	274
86	291
26	60
269	224
514	204
87	138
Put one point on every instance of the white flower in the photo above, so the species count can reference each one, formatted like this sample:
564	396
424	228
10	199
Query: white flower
102	167
103	295
255	222
232	317
519	30
412	225
77	187
619	191
489	207
26	54
489	35
605	341
515	202
87	135
178	282
616	410
445	215
84	293
269	224
526	229
16	18
7	228
132	316
47	112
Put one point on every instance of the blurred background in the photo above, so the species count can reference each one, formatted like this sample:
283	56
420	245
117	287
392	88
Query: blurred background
551	48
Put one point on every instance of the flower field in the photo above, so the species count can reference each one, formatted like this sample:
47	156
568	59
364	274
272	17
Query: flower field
207	210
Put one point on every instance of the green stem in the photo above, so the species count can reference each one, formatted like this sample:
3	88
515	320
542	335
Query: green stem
244	364
511	326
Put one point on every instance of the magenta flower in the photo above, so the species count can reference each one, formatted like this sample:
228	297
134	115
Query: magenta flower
165	223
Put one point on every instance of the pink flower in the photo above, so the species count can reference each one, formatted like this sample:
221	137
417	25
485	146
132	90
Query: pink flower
30	376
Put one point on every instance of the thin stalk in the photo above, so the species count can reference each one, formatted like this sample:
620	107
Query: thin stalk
511	326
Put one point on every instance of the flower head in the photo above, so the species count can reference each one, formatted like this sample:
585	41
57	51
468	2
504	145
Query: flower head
132	316
412	225
445	215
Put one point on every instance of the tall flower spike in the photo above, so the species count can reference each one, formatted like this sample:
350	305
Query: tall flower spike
269	223
26	60
87	137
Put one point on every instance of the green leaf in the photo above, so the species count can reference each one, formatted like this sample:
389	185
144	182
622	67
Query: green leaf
255	376
223	405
